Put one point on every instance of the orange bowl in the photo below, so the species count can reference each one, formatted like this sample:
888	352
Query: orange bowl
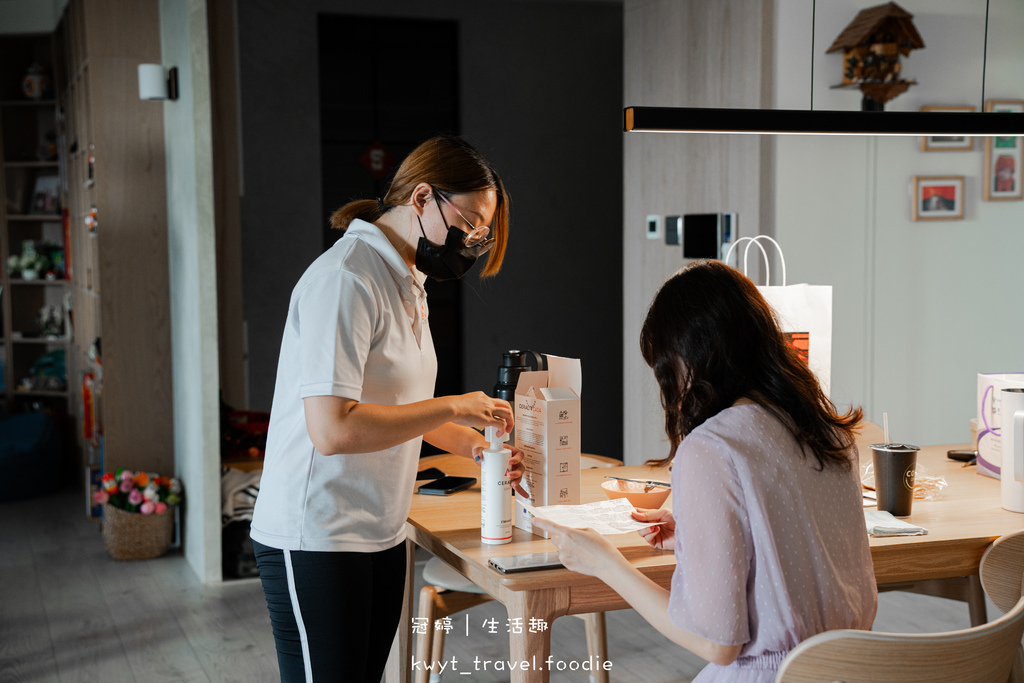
634	493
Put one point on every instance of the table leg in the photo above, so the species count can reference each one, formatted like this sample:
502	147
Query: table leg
597	644
399	667
534	646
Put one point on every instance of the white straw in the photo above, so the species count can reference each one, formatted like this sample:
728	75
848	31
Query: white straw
885	427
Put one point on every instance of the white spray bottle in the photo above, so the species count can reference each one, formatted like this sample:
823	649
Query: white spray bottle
495	491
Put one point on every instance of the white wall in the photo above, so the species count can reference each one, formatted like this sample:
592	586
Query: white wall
193	271
918	305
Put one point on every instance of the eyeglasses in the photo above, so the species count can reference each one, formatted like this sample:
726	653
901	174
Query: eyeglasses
474	235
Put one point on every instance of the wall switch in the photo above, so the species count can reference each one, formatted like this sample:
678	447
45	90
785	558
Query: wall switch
653	232
673	229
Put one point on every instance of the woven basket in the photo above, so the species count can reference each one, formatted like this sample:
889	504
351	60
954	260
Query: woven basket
135	536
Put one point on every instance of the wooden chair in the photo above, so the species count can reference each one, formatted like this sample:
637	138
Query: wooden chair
447	592
990	653
1001	568
963	588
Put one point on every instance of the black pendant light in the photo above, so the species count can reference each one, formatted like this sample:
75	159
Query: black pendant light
820	122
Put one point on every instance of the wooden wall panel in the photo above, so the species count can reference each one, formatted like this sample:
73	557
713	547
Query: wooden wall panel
121	272
694	54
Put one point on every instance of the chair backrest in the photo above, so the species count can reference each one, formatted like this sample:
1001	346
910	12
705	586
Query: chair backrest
982	654
1002	570
985	653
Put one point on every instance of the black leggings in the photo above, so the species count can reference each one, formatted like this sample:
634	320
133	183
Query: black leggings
334	614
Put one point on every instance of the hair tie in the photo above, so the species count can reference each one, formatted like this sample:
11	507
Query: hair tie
380	205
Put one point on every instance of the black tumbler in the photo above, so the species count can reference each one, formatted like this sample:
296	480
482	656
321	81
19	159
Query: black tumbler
895	465
514	363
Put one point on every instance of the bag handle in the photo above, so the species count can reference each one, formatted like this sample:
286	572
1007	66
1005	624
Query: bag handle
756	241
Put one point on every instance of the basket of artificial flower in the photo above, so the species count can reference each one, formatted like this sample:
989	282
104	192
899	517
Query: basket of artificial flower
138	518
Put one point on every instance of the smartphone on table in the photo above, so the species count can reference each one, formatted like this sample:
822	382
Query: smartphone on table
446	485
525	563
429	473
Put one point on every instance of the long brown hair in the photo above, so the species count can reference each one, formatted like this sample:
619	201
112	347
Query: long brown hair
450	165
711	338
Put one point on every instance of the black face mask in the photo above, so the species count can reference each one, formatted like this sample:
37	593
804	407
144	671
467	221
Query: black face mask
451	260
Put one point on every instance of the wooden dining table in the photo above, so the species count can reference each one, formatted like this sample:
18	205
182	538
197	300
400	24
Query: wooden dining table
962	519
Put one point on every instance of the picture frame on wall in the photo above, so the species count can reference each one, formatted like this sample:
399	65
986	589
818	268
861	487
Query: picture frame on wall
1003	157
947	143
938	198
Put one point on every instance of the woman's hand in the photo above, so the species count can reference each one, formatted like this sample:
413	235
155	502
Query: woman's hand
478	410
662	536
516	468
582	550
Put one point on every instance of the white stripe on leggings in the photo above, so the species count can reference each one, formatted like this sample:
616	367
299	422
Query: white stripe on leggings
298	616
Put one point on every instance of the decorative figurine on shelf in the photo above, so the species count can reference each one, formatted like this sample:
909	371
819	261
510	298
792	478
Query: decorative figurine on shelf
91	221
54	254
36	84
29	264
47	150
51	322
96	352
872	45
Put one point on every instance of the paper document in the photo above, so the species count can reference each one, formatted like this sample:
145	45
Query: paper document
606	517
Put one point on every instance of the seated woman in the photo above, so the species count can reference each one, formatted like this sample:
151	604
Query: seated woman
767	521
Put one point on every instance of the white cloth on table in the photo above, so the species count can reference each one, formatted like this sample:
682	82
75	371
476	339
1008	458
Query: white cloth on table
882	523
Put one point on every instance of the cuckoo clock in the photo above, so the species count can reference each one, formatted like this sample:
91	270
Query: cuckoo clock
872	45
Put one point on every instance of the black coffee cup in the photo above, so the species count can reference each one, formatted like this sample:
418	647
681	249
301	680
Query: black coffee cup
894	464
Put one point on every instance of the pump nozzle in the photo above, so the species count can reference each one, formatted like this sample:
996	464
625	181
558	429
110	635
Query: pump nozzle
491	434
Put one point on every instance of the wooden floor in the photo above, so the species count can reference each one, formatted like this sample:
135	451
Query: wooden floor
70	613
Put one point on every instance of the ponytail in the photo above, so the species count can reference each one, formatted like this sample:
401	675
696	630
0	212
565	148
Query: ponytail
364	209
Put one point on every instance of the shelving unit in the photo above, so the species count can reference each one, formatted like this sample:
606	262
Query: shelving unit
115	208
34	357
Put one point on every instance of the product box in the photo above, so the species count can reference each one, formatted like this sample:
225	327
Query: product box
547	431
989	420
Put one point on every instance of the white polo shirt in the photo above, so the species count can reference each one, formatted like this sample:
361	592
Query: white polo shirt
356	328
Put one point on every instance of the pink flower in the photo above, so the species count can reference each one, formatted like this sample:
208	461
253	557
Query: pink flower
126	485
126	475
146	508
135	497
101	497
159	508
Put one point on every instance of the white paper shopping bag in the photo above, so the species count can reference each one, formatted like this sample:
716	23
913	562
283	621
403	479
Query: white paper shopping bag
804	312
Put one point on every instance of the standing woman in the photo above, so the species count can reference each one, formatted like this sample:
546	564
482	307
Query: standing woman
352	402
767	523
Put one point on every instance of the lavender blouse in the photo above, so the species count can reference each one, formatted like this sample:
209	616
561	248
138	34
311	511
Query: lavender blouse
769	550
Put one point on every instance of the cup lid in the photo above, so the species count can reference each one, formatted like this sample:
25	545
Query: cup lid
894	447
